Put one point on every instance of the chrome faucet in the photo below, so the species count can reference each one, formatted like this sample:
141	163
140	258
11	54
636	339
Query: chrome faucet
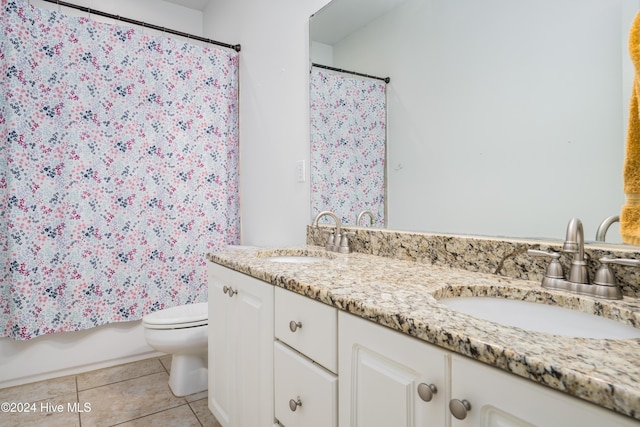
332	215
604	283
362	214
574	244
338	241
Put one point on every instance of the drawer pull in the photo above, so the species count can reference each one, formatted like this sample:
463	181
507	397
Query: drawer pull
294	326
229	290
459	408
293	404
426	391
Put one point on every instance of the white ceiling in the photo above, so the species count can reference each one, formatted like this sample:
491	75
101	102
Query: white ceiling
342	17
192	4
334	21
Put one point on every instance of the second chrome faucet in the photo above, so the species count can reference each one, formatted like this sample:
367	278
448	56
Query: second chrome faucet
338	241
577	281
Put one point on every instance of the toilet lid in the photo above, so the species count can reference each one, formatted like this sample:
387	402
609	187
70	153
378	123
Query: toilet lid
182	315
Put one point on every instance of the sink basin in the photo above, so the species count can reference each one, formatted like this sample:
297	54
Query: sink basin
541	317
296	259
296	256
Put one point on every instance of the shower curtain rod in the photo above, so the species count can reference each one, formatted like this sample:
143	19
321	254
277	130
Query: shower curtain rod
326	67
235	47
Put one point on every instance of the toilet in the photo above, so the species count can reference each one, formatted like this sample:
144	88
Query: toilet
181	331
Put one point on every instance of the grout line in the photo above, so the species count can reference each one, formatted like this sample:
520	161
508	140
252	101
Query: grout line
121	381
163	370
78	400
194	413
154	413
162	364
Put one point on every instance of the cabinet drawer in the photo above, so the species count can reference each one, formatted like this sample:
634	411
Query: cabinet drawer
299	380
317	334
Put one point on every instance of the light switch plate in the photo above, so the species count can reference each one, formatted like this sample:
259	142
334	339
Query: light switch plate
301	173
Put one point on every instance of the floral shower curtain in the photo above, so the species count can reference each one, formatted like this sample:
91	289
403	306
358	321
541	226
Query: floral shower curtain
118	170
348	145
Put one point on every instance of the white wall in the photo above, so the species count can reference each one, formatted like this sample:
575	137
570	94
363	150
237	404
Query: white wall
66	353
274	116
321	53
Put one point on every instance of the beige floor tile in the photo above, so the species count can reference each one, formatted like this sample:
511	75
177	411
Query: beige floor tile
136	394
128	400
118	373
204	414
41	390
182	416
59	411
197	396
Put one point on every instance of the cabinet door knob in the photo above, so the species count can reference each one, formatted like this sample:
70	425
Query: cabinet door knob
426	391
293	404
294	326
225	289
230	290
459	408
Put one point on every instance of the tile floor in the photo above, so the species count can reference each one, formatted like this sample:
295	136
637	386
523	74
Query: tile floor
131	395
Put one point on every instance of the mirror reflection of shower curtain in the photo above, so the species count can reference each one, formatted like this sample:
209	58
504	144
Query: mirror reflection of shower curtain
348	145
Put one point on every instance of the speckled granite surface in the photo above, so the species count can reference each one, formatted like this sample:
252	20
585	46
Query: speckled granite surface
503	257
402	294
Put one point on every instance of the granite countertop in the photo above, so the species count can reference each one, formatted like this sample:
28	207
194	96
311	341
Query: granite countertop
403	295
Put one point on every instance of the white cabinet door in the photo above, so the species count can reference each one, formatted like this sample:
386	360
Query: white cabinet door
500	399
240	349
381	372
313	390
221	350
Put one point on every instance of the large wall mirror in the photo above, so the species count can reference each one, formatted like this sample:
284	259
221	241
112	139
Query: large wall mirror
504	117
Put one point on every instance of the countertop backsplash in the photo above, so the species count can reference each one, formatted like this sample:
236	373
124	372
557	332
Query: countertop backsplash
500	256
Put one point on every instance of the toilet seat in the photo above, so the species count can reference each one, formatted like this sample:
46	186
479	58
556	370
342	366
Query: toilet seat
180	317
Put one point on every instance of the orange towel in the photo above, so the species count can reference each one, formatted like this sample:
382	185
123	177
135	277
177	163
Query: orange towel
630	216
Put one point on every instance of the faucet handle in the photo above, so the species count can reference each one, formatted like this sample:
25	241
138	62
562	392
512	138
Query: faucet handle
629	262
605	275
330	240
539	253
554	269
344	242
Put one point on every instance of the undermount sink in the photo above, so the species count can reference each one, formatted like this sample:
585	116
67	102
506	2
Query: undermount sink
539	317
296	259
295	256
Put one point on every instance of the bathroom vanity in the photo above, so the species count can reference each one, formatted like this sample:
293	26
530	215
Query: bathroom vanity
326	339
